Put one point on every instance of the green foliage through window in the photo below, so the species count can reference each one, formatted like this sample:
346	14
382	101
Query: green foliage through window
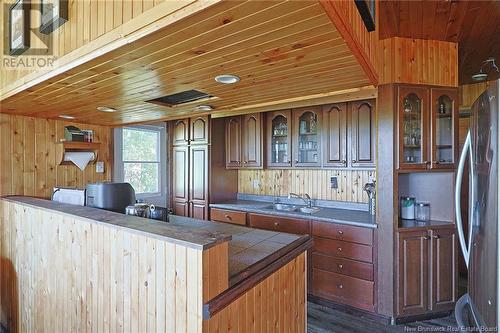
141	159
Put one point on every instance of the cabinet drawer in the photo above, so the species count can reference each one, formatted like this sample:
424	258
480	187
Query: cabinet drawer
342	249
281	224
353	268
344	289
343	232
228	216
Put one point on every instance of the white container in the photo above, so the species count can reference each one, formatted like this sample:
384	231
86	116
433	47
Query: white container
407	208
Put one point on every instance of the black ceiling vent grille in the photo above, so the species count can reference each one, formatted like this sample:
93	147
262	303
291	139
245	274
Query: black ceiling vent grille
180	98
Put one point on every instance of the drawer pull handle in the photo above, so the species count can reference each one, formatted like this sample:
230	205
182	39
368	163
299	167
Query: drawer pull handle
340	232
339	249
227	217
341	266
276	223
340	286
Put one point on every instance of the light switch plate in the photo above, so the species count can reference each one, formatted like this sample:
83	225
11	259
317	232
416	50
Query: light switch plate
99	167
334	183
256	183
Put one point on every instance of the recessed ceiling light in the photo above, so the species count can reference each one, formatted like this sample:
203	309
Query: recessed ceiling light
65	116
105	109
204	108
227	78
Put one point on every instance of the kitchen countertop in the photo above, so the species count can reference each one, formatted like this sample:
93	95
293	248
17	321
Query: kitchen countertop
358	218
414	224
249	249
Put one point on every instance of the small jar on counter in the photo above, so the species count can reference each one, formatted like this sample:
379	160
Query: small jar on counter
422	211
407	208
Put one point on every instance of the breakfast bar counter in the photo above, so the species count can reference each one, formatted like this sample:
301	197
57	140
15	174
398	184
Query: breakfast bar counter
114	270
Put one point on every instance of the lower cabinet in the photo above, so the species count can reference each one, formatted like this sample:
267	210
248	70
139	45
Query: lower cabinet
343	264
426	270
280	224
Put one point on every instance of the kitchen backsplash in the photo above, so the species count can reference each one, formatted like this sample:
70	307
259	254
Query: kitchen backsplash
316	183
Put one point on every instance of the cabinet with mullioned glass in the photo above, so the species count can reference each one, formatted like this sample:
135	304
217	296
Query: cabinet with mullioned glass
427	126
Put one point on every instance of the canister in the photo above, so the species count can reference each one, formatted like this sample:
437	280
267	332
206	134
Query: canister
422	211
407	208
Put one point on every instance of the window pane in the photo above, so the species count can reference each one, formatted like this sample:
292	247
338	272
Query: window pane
140	145
142	176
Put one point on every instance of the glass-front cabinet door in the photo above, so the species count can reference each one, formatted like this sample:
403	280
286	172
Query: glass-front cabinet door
279	139
306	140
444	128
413	128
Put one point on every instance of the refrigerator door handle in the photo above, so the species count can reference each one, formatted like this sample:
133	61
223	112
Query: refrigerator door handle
459	310
458	187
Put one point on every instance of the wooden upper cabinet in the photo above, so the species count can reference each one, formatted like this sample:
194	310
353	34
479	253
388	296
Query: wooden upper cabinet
444	128
180	132
199	133
413	125
233	142
444	269
279	139
363	133
413	272
251	141
335	135
306	137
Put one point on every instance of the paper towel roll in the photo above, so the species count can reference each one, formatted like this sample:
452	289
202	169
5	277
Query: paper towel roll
80	159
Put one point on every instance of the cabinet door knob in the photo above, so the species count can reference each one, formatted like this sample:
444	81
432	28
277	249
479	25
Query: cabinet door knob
339	249
353	161
276	223
296	161
340	286
436	236
426	237
341	266
340	232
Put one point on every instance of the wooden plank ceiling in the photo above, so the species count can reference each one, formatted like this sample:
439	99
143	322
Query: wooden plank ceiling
473	24
280	49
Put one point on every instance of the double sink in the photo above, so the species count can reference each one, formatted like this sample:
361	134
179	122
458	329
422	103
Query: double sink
294	208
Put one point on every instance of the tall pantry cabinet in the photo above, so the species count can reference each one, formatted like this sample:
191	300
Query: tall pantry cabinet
197	165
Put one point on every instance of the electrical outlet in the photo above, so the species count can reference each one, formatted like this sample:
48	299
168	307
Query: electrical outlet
256	183
334	183
99	167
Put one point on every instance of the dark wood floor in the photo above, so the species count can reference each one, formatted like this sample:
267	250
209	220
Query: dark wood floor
321	319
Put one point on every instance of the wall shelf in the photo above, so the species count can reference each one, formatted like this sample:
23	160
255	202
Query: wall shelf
75	146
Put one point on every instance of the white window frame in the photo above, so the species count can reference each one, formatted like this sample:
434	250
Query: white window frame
157	198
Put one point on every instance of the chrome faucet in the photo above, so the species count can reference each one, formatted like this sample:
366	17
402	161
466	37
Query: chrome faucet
307	199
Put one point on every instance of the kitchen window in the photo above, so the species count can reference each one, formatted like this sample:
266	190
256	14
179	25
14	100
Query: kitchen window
140	159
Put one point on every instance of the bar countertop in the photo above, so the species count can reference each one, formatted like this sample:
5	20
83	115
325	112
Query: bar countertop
250	250
197	238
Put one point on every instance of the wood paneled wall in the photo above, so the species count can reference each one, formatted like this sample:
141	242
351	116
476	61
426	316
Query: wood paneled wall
363	44
406	60
65	274
277	304
316	183
468	93
28	163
